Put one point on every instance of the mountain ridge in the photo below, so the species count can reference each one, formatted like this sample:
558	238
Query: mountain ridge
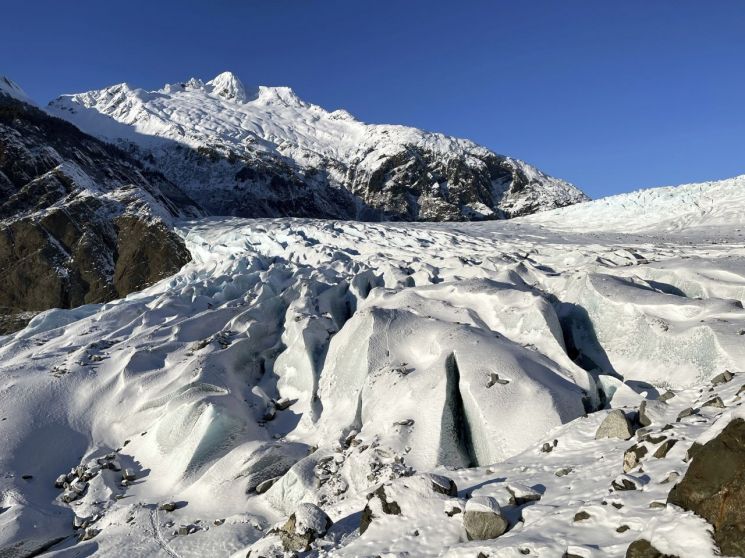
378	171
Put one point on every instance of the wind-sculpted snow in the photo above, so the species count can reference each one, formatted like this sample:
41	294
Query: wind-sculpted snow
297	360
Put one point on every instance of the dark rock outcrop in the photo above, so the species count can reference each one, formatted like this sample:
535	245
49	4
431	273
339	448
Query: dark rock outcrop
80	221
714	487
642	548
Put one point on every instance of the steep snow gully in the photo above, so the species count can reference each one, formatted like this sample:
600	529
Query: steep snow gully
301	361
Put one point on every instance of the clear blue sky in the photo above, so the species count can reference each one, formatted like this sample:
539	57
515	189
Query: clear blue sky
609	95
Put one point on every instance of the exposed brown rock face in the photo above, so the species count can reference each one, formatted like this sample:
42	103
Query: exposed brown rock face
714	487
643	549
80	222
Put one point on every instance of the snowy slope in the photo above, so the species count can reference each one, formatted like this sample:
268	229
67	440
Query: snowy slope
296	360
391	171
11	89
672	208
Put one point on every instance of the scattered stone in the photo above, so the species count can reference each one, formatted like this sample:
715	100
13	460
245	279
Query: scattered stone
405	422
714	402
61	481
643	549
625	482
581	516
664	448
685	413
672	477
667	396
633	456
168	506
714	487
452	509
129	475
657	505
377	503
622	529
495	379
643	431
308	523
563	471
27	477
548	447
521	494
722	378
483	519
615	425
651	412
617	505
442	484
218	522
89	533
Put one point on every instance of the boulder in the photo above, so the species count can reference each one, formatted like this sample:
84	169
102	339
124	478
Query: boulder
651	412
714	487
615	425
442	484
633	456
642	548
626	482
722	378
483	519
308	523
377	503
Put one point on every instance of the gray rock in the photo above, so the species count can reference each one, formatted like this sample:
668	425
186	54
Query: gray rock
483	519
303	527
651	412
714	402
442	484
685	413
626	482
633	456
615	425
667	396
664	448
377	502
714	487
722	378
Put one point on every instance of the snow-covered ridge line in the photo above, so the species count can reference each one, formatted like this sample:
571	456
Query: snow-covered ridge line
12	89
266	143
665	208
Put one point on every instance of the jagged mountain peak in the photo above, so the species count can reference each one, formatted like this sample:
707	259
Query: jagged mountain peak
228	85
12	89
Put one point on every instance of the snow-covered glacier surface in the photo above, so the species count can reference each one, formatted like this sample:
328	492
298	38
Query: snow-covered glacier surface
298	361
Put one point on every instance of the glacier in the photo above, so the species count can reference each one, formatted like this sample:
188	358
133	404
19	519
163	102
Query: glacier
313	361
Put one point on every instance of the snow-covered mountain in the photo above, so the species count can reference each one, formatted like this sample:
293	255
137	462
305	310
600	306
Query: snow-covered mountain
9	88
332	388
262	151
80	220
